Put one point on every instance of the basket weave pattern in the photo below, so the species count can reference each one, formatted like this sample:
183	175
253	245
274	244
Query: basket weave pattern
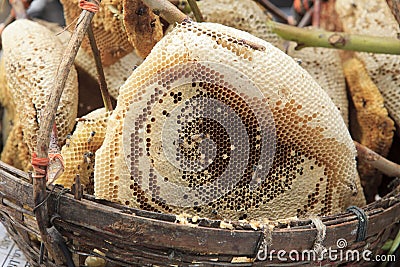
131	237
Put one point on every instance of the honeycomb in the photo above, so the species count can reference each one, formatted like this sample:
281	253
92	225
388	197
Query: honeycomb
371	126
142	26
80	148
32	55
108	29
15	151
7	102
224	117
323	64
13	143
115	74
375	18
5	99
6	125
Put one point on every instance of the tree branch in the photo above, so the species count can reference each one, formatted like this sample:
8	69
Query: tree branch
306	19
303	37
166	10
48	113
395	10
274	10
367	155
196	11
337	40
100	72
47	117
10	18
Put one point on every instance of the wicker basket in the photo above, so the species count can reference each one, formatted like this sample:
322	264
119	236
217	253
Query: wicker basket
131	237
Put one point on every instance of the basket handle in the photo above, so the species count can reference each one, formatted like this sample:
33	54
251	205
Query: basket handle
45	127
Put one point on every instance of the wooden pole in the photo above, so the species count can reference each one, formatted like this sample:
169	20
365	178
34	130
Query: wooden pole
166	10
46	122
367	155
100	72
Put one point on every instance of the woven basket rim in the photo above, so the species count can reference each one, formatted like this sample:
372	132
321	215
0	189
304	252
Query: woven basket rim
152	231
293	223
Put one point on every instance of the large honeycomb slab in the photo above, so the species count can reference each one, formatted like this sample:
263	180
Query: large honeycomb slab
140	164
32	54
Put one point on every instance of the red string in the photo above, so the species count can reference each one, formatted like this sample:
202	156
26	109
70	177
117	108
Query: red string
54	156
297	5
89	6
301	6
37	163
